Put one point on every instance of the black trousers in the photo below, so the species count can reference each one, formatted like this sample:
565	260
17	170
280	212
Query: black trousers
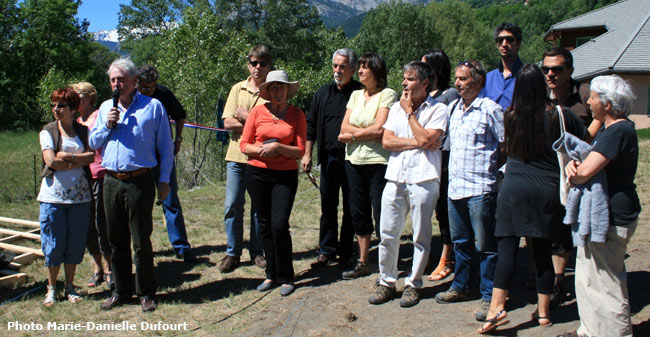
272	194
97	241
128	204
504	272
442	210
333	180
366	184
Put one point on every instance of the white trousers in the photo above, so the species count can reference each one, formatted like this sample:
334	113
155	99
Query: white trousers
601	285
396	201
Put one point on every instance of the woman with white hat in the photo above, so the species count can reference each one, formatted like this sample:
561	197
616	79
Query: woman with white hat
274	138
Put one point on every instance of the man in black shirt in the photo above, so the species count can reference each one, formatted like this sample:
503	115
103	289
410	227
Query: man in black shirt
148	85
323	126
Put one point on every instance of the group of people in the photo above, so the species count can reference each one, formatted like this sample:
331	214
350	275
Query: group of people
432	148
97	187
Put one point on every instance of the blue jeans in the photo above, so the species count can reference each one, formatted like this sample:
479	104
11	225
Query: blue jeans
234	213
64	229
174	217
472	219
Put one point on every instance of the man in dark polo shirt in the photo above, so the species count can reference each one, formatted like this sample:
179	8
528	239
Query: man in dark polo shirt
148	86
557	66
323	126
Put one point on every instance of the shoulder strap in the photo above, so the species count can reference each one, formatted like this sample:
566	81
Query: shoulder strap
561	118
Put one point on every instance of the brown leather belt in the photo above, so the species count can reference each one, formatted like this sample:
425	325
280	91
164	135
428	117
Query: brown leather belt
129	174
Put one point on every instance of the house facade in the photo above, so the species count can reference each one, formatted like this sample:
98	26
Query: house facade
614	39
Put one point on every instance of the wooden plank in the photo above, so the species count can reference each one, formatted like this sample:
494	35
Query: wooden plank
21	249
18	237
19	233
24	258
10	280
20	222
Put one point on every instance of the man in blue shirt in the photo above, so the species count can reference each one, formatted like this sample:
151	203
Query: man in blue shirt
500	82
134	134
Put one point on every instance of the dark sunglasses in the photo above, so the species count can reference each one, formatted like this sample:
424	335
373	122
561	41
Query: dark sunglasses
255	63
556	69
510	39
466	63
58	106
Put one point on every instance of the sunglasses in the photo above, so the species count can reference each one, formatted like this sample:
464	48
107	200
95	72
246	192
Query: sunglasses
255	63
509	38
556	69
466	64
58	106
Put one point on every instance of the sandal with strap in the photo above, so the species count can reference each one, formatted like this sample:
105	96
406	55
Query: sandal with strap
72	295
498	320
444	269
535	316
108	277
96	280
50	297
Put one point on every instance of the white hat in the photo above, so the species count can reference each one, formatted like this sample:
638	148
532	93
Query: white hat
282	77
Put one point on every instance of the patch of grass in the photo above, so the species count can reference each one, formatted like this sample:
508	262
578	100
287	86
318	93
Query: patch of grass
20	161
643	134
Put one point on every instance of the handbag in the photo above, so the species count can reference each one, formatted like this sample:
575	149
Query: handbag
562	159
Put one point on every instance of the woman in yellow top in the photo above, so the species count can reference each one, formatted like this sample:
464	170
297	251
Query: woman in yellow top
365	158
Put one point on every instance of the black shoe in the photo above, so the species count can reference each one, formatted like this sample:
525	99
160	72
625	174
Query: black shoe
323	261
186	256
559	294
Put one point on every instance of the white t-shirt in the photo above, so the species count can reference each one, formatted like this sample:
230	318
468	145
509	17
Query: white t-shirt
64	186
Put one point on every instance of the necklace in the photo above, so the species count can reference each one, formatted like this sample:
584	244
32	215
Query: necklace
279	115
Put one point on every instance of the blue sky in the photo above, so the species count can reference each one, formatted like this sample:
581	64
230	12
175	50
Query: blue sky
102	14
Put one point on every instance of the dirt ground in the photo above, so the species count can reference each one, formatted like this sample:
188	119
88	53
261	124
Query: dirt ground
325	305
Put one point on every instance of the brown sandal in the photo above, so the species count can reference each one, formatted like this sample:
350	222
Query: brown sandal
535	316
444	269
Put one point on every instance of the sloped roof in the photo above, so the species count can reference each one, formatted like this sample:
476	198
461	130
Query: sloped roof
624	48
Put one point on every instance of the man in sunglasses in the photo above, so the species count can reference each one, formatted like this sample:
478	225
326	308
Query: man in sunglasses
324	120
557	66
500	82
148	86
243	97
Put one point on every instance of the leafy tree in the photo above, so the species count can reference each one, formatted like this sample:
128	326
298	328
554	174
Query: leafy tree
42	35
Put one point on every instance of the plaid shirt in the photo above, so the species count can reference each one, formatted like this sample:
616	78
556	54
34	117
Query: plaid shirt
474	134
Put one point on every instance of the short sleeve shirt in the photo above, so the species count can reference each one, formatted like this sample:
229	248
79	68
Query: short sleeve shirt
64	186
362	116
239	95
415	165
619	143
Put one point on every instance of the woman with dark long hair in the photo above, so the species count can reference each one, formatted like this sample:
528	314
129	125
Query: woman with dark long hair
529	204
441	68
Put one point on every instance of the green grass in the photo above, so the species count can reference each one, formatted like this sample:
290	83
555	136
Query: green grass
643	134
20	159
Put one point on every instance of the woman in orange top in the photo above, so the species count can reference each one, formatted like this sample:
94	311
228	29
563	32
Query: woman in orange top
274	139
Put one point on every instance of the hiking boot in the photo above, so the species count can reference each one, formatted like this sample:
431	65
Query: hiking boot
451	296
410	297
360	269
323	261
228	264
260	261
481	313
383	294
559	294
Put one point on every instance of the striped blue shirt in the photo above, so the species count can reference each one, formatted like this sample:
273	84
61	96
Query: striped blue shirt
474	134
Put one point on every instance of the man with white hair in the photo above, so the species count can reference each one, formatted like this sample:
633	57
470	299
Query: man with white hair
323	126
134	135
